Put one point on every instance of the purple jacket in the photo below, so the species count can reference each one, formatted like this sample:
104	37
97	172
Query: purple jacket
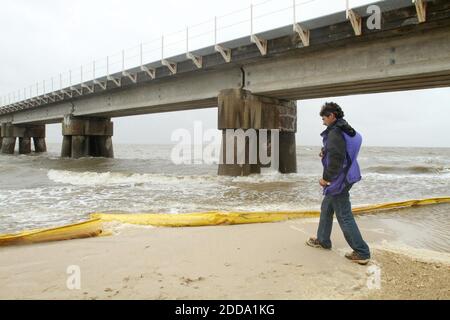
340	163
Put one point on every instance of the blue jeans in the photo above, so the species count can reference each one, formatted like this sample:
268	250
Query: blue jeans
340	204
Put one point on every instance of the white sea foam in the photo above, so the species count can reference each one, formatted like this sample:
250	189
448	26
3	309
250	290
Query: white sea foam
117	178
88	178
269	175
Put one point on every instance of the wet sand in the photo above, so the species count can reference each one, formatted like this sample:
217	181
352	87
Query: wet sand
258	261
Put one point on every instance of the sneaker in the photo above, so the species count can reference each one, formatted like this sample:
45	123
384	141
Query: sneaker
354	257
314	242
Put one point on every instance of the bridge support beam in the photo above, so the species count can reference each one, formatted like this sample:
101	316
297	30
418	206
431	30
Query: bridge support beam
260	119
87	137
288	153
39	144
10	133
8	145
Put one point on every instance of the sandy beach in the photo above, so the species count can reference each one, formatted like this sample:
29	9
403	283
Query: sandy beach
258	261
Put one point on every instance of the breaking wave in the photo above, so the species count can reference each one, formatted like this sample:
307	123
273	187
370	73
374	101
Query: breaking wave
118	178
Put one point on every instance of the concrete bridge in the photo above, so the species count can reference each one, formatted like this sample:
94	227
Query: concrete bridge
254	81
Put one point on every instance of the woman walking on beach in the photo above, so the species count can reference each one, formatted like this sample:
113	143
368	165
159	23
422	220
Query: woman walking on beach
341	145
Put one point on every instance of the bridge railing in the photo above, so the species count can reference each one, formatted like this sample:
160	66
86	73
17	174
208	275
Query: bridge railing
249	21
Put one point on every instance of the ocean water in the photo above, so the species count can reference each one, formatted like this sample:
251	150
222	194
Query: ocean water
41	190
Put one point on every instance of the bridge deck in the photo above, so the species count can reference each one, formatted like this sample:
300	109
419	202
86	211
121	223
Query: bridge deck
194	88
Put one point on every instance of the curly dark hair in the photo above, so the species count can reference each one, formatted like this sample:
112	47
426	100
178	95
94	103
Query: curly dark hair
331	107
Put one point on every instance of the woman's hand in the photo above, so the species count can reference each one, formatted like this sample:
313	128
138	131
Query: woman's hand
324	183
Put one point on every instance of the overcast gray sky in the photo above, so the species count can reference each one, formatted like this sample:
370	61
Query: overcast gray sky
41	39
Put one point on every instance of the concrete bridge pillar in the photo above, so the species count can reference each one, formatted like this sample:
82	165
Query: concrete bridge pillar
87	137
10	133
259	117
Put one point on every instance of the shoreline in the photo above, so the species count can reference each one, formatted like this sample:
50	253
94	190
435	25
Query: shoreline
257	261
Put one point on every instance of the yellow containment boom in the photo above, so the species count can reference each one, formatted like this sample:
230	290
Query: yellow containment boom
94	226
85	229
219	218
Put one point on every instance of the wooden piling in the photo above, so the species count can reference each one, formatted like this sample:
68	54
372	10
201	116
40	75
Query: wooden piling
24	145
